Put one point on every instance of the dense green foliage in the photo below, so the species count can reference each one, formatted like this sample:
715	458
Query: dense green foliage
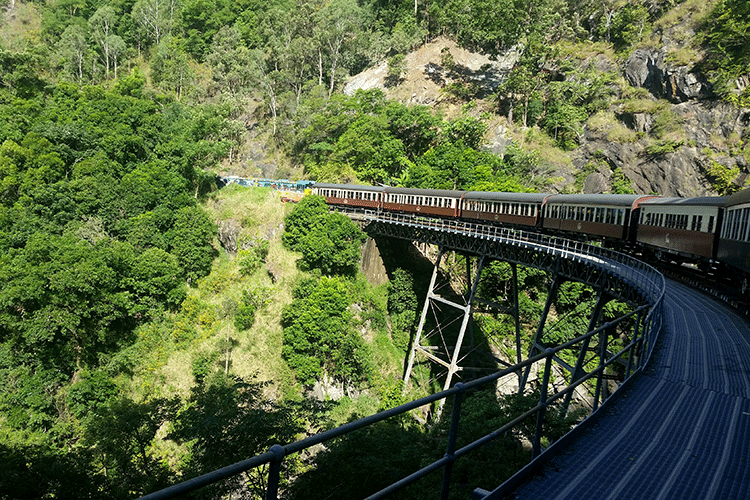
100	231
328	242
319	337
727	33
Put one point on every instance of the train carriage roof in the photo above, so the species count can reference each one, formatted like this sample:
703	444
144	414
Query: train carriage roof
700	201
509	197
613	200
738	198
443	193
351	187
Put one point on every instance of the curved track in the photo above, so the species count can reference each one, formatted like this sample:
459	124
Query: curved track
680	430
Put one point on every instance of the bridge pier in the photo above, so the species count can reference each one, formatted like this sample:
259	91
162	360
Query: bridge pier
452	356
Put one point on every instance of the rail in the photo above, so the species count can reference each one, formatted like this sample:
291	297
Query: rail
638	352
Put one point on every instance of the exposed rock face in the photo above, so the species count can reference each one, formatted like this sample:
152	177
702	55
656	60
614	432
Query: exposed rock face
229	230
425	74
704	126
646	68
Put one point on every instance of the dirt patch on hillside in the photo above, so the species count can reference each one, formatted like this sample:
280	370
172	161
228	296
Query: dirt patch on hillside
426	73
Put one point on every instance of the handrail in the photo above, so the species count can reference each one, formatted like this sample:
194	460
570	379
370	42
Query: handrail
640	275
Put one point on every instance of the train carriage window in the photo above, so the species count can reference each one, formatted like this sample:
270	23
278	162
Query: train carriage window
699	223
710	223
744	228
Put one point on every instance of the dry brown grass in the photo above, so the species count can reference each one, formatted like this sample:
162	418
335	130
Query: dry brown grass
21	25
256	354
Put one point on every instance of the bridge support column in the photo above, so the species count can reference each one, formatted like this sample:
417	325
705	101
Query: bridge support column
579	371
537	345
445	355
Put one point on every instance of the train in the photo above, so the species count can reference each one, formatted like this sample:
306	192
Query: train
711	232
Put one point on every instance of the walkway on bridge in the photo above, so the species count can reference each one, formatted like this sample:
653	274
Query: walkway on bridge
681	429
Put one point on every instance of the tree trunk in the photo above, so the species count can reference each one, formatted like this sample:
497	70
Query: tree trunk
320	66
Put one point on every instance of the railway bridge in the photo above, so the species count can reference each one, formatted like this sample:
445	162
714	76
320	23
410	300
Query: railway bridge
678	426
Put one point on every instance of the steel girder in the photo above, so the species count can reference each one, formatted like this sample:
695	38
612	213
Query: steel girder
558	256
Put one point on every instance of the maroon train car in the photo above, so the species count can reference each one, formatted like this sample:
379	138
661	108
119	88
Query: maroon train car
350	195
606	215
437	202
520	209
682	226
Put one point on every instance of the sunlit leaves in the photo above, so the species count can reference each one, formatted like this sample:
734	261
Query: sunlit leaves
319	338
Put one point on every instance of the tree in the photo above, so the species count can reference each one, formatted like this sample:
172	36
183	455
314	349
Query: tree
154	281
171	66
402	306
230	61
72	50
728	38
154	17
235	415
333	247
370	149
318	335
268	78
338	23
117	48
121	437
307	214
101	26
192	237
466	130
521	84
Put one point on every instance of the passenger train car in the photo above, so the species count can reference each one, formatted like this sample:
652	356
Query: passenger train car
734	235
713	230
683	226
605	215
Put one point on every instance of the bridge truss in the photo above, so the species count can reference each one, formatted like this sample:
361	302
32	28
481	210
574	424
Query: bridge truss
612	275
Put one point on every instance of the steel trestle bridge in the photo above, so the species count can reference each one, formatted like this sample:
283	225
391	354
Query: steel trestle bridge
677	427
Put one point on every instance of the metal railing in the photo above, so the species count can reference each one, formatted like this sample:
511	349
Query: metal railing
637	351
